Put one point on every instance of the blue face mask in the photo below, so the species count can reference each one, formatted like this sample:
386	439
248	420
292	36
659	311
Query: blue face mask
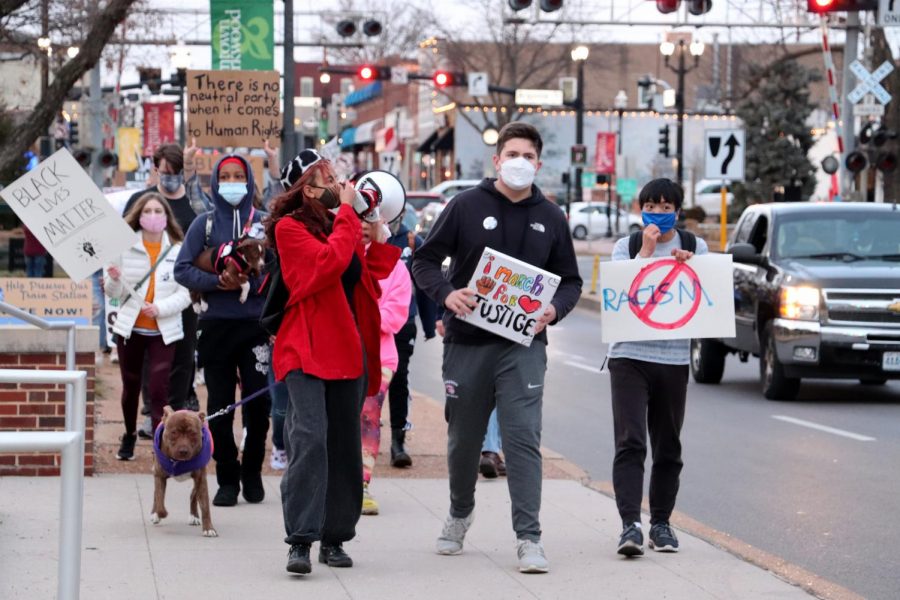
233	192
665	221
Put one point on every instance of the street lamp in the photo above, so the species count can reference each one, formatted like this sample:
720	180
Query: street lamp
620	102
490	136
667	49
579	55
181	60
72	52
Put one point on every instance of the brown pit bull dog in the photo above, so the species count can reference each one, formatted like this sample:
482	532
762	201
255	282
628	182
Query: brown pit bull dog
183	447
247	257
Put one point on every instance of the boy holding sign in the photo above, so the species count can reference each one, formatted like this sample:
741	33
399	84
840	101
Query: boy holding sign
482	369
649	385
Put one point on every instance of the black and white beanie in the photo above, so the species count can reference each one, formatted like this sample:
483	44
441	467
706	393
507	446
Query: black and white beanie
295	169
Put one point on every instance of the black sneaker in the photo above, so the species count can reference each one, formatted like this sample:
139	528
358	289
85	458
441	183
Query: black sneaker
298	559
126	448
252	488
333	555
227	495
662	538
631	542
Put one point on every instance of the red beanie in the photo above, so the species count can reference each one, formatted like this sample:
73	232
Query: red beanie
232	160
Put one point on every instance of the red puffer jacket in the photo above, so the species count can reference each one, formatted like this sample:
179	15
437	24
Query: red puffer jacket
318	333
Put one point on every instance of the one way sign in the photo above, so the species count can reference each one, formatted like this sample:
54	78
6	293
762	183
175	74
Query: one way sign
724	154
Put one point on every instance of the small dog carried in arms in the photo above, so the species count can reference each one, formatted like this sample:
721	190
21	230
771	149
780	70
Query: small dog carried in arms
182	447
247	257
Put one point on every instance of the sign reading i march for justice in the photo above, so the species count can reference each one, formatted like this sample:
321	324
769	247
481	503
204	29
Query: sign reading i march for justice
661	299
511	295
724	154
66	212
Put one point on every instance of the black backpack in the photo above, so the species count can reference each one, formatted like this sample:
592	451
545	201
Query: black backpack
276	298
636	241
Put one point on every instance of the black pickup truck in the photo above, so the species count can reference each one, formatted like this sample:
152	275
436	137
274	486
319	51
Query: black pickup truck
816	295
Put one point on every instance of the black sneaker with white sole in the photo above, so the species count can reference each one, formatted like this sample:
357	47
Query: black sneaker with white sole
126	448
631	542
662	538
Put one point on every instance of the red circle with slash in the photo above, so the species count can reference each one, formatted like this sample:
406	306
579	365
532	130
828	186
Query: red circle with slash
645	313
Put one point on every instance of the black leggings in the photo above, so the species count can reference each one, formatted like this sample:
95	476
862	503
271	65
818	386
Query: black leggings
226	349
398	392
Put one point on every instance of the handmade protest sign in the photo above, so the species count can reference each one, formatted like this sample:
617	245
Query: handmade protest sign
69	215
234	108
56	299
511	295
662	299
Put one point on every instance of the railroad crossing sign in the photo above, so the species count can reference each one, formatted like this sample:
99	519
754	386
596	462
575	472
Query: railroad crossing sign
888	13
724	150
869	83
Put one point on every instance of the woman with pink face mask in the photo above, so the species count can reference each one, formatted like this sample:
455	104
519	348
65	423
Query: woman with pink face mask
150	302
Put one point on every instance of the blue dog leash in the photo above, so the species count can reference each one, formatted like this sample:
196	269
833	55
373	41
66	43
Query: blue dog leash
231	407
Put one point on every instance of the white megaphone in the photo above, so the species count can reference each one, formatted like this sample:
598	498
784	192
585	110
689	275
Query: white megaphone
389	191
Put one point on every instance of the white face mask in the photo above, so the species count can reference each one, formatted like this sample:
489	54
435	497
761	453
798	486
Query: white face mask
517	173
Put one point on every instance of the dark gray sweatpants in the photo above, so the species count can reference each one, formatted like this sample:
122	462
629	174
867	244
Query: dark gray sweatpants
511	377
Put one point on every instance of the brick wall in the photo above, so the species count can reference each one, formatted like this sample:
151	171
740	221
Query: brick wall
42	407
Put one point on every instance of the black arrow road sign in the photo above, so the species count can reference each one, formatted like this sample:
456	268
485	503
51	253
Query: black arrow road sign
732	143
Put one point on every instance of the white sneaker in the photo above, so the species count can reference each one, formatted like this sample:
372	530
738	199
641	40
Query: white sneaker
114	356
278	460
453	534
531	557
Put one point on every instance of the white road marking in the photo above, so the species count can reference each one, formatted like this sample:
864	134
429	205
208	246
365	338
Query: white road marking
570	355
584	367
842	432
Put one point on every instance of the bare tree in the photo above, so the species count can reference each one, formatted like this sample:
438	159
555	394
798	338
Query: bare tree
100	29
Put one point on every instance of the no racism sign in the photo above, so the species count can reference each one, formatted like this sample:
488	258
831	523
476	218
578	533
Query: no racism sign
511	295
662	299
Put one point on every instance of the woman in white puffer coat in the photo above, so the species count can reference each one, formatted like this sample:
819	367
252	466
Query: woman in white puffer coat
148	322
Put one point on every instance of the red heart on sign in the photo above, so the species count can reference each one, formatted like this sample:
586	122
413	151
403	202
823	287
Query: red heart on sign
529	305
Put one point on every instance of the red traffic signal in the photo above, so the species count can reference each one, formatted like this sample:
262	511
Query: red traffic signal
886	162
699	7
367	73
856	162
830	6
443	79
346	28
668	6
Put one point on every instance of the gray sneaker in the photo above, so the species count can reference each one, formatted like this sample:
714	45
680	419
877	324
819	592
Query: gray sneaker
453	534
531	557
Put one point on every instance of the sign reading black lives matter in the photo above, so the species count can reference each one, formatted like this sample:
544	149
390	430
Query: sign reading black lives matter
70	216
511	295
234	108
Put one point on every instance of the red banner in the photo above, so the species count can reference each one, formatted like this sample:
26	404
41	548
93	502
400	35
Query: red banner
605	154
159	125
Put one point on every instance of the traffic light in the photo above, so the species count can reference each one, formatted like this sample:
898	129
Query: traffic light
371	27
830	6
73	133
546	5
667	6
885	160
699	7
82	157
664	141
346	28
151	77
373	73
444	79
856	162
108	159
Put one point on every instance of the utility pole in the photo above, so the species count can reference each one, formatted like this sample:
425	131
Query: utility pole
850	53
288	150
95	141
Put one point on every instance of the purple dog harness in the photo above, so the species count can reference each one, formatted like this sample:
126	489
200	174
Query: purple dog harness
182	468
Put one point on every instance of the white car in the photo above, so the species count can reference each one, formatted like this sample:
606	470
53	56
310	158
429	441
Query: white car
708	196
452	187
588	219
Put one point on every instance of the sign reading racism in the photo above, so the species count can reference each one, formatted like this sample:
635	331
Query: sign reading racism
71	218
662	299
49	299
234	108
511	295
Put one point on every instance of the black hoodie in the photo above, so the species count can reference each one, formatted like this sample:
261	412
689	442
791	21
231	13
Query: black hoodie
533	230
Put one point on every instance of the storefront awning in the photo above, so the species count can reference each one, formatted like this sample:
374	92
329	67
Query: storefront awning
347	137
364	94
445	142
426	146
365	133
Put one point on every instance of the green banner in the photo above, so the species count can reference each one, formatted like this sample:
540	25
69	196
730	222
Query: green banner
243	36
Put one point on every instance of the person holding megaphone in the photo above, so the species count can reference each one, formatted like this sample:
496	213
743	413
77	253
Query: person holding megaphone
327	350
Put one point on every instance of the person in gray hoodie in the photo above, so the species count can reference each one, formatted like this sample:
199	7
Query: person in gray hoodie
230	342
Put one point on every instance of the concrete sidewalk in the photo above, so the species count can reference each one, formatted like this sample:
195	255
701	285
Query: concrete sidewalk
125	556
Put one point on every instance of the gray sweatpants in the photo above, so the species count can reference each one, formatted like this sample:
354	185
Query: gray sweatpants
511	377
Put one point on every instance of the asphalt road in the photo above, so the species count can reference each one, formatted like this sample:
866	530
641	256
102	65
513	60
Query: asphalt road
813	481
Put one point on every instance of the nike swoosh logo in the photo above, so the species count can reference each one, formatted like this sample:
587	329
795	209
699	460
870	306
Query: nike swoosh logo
534	387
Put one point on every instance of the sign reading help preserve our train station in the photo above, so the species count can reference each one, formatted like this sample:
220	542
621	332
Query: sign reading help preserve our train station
511	295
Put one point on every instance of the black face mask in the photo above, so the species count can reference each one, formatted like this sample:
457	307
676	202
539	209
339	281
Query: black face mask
328	199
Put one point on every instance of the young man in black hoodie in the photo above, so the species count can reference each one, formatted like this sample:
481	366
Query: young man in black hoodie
482	370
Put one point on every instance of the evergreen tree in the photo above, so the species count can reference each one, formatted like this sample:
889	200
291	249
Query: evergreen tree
775	112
